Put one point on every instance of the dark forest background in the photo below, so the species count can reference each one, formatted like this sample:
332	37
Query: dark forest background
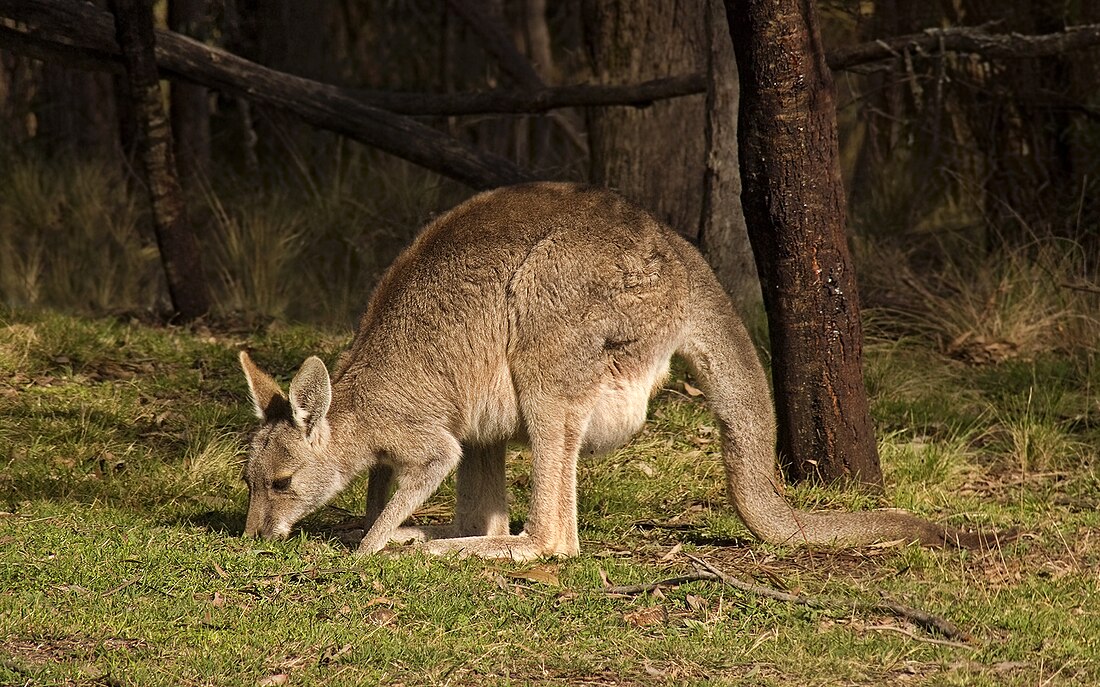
969	174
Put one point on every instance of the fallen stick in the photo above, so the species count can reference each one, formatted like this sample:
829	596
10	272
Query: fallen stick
930	622
707	572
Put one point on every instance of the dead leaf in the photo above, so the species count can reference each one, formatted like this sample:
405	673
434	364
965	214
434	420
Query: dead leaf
672	553
892	544
379	601
333	653
75	588
644	617
218	600
381	616
696	603
543	574
645	468
274	679
691	390
604	581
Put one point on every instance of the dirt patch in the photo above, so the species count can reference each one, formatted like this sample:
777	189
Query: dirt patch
36	651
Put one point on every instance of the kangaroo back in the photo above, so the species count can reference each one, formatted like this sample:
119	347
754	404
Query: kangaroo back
721	354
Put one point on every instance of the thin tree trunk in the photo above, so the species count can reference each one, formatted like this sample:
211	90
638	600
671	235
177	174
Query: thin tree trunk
179	249
190	103
794	205
723	236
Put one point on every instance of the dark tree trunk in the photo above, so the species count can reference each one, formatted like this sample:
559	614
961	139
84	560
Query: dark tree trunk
723	237
190	103
794	205
179	249
77	111
653	156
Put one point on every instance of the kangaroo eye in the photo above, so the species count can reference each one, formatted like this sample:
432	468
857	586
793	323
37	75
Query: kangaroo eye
281	484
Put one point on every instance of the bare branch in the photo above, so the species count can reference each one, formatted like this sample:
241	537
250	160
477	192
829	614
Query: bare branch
967	39
538	100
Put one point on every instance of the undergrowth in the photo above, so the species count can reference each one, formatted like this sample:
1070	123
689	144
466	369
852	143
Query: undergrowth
74	234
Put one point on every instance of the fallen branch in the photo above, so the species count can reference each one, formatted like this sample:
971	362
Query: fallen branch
633	589
968	39
537	100
496	41
707	572
928	621
758	589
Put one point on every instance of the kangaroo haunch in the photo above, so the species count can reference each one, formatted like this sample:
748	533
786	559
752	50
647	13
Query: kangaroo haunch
545	312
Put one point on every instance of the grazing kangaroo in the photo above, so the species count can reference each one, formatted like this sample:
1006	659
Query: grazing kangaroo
546	312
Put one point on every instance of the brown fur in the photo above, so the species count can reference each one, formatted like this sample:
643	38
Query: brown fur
546	312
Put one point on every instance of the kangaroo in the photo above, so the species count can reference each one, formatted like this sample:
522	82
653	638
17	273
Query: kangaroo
546	313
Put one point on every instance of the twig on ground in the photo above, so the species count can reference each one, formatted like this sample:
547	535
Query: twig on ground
757	589
128	583
912	635
632	589
924	619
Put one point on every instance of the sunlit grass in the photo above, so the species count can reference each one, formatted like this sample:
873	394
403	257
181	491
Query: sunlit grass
122	561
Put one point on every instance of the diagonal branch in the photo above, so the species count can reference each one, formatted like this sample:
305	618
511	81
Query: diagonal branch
497	42
531	101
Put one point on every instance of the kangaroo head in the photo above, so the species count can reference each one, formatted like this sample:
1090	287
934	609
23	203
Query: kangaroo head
288	472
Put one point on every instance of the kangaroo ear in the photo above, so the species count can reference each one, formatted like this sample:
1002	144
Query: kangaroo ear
310	395
267	397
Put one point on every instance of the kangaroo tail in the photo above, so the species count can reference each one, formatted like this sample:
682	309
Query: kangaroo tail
720	352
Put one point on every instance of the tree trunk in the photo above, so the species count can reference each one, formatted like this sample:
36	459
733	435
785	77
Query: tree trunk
77	111
653	156
794	205
190	103
179	249
723	236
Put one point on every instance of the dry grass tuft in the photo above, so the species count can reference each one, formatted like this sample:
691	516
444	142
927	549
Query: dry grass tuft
982	307
69	236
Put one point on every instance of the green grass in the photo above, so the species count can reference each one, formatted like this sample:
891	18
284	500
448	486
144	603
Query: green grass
121	560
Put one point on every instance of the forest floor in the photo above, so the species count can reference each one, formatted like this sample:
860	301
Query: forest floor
121	560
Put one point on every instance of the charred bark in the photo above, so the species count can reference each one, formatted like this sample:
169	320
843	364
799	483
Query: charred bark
179	249
794	206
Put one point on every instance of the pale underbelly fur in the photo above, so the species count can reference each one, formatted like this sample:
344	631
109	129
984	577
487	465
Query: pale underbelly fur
618	414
